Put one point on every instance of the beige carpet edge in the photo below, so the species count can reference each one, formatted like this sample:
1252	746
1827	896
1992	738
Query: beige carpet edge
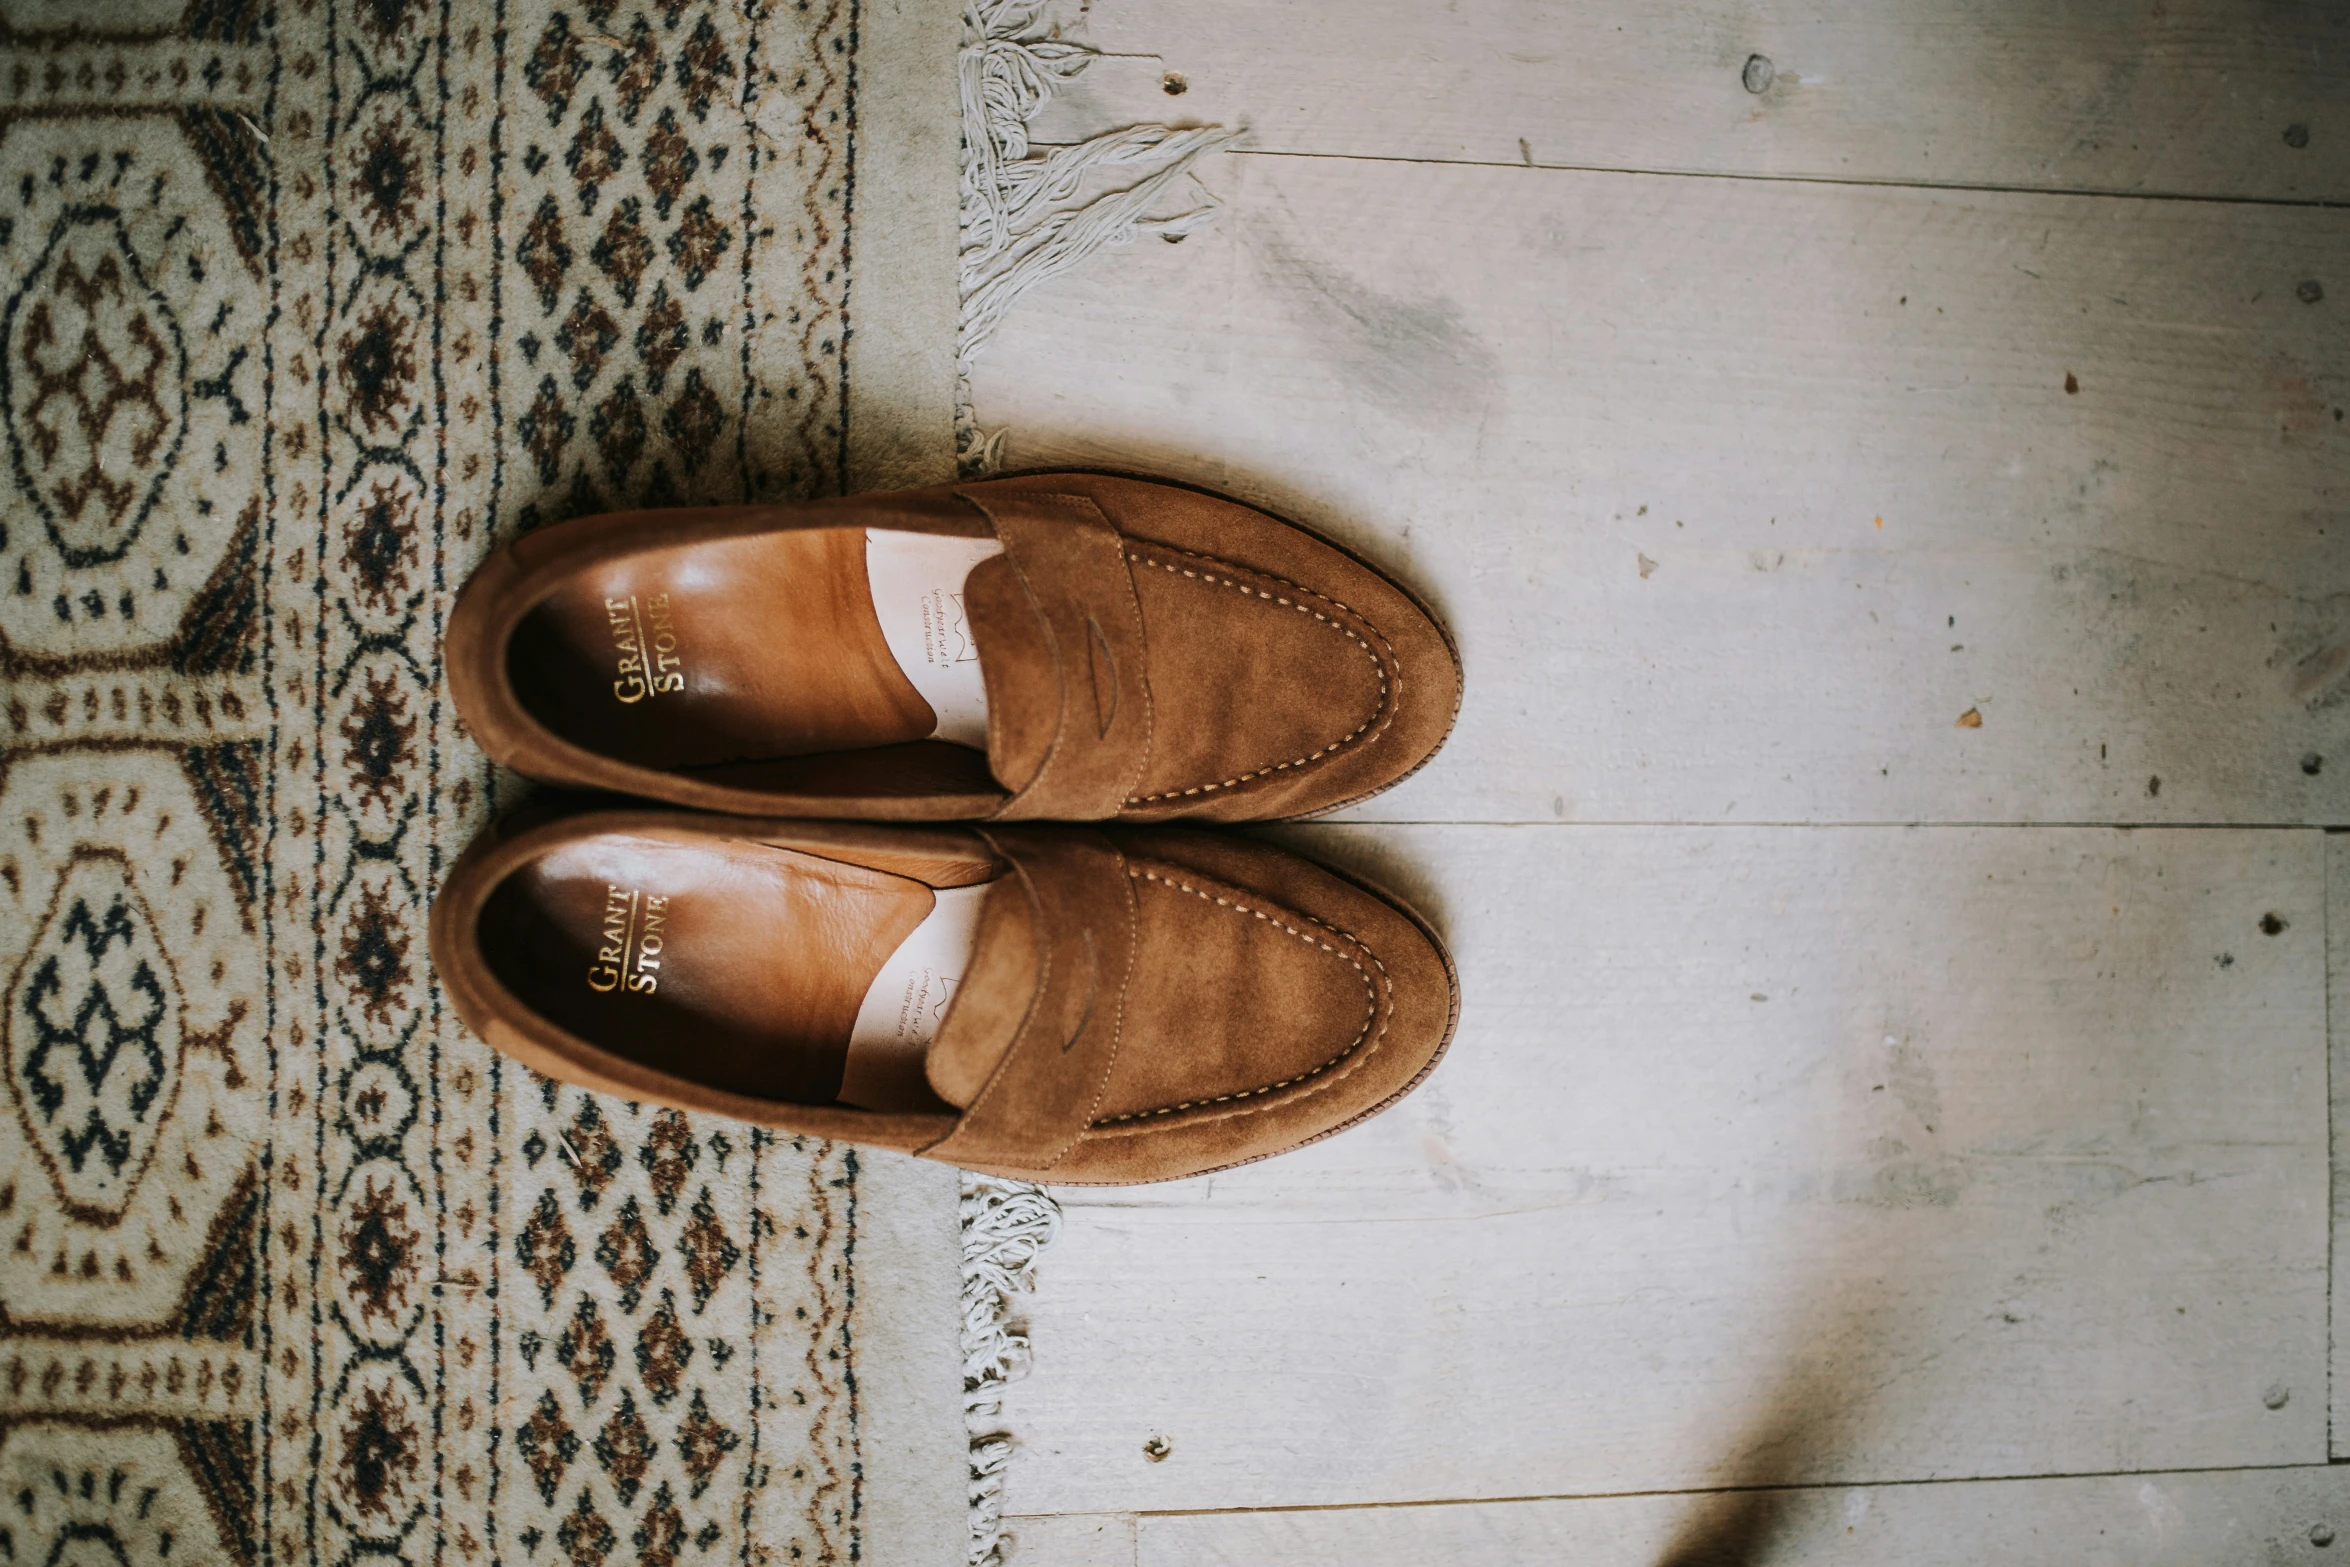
903	300
900	356
915	1455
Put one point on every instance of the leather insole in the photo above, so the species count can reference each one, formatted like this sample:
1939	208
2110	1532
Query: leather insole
741	966
746	650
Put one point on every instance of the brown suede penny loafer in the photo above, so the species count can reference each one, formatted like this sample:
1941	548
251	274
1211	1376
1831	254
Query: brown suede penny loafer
1071	1004
1062	646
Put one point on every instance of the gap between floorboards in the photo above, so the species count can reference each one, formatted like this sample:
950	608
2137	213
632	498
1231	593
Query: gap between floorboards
1804	179
1720	1490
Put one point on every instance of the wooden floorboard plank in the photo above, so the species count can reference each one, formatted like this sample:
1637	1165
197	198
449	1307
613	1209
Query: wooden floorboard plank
2338	1028
1763	1155
2164	1520
1765	502
1089	1540
2182	96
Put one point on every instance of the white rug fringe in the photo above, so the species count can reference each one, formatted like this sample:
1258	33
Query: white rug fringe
1006	1224
1023	221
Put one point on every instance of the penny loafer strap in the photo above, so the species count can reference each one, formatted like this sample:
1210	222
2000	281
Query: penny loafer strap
1067	564
1080	907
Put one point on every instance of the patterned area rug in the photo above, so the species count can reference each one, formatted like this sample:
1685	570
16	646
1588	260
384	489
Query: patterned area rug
302	306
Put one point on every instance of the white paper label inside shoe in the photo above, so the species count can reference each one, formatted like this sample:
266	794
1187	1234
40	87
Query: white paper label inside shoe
917	581
902	1008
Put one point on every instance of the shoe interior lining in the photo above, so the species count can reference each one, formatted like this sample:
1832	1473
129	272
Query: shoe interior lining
735	965
741	651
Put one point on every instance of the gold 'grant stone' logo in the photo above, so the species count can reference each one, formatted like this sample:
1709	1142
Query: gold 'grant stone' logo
630	958
647	638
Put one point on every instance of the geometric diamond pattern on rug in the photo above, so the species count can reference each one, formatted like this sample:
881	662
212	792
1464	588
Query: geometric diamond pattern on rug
659	1305
302	309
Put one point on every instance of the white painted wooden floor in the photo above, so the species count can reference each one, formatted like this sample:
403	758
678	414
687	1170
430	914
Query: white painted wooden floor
1897	525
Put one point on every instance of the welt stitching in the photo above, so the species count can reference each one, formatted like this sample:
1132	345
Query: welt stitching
1370	994
1383	709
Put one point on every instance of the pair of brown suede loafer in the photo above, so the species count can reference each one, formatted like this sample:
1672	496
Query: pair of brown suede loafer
792	939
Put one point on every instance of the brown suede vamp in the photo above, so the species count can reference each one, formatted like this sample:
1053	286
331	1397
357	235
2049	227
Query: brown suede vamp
1280	675
1251	648
1153	1002
1283	1004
